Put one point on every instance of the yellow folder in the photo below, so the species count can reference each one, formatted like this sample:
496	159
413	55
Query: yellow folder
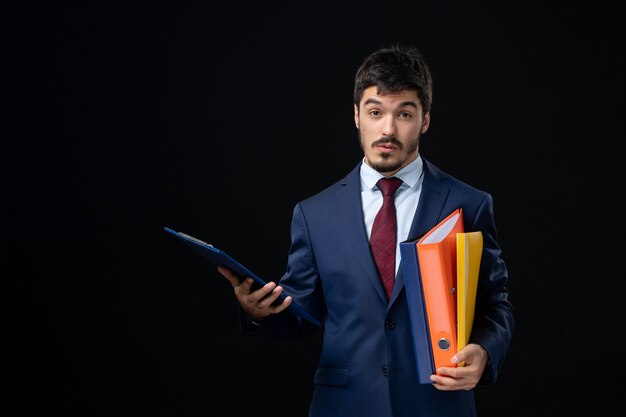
469	248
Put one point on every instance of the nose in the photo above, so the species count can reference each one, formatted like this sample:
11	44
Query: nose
389	126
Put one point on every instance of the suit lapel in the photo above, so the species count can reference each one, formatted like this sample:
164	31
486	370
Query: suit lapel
351	209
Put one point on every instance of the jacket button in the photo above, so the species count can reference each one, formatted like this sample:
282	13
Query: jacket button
390	324
384	370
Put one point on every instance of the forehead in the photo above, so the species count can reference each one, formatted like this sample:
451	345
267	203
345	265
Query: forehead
399	98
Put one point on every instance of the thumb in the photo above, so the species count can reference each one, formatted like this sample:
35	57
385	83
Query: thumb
460	357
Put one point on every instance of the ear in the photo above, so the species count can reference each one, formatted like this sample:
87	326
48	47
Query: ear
426	122
356	116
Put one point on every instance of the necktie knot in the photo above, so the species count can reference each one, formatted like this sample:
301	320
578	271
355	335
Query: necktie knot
388	186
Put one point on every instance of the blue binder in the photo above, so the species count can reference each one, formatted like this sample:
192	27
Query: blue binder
219	257
417	312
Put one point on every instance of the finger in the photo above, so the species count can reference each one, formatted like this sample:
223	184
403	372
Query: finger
268	299
246	285
229	275
283	305
443	383
450	372
438	381
268	303
462	355
261	293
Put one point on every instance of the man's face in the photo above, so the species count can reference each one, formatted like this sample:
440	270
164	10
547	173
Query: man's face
389	127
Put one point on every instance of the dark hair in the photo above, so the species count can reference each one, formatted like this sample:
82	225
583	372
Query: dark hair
394	69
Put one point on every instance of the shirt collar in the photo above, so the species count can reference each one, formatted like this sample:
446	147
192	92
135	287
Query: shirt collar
410	174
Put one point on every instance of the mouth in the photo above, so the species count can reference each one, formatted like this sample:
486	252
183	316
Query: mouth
385	147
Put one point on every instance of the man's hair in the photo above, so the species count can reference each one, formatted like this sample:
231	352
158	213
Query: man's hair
393	69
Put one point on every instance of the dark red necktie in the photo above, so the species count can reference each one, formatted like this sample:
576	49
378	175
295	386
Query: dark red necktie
384	231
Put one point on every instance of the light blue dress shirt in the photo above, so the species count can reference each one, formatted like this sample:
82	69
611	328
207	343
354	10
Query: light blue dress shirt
406	198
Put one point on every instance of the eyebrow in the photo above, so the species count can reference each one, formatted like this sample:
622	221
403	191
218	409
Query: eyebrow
402	104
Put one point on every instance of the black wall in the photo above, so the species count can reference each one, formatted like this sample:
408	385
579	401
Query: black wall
216	120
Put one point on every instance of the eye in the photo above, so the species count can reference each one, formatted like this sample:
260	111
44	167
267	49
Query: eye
405	115
374	113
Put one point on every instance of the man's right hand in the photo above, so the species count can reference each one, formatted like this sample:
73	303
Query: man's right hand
257	304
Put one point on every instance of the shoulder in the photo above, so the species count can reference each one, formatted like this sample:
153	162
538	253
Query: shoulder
435	176
351	183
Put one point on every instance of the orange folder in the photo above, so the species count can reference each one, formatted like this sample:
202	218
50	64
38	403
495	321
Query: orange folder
436	252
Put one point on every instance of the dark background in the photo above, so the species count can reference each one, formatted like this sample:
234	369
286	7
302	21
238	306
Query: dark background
215	120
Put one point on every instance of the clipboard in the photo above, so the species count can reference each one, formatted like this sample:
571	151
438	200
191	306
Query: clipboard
219	257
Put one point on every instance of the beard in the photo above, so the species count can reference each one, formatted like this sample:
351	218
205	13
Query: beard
391	163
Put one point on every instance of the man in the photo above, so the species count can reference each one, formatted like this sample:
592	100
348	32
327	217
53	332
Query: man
367	363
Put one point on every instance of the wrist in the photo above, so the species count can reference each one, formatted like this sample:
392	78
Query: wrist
255	321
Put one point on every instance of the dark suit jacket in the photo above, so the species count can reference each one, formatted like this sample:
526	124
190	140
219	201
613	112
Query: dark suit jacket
367	363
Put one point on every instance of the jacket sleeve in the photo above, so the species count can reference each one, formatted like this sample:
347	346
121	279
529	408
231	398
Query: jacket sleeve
493	318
